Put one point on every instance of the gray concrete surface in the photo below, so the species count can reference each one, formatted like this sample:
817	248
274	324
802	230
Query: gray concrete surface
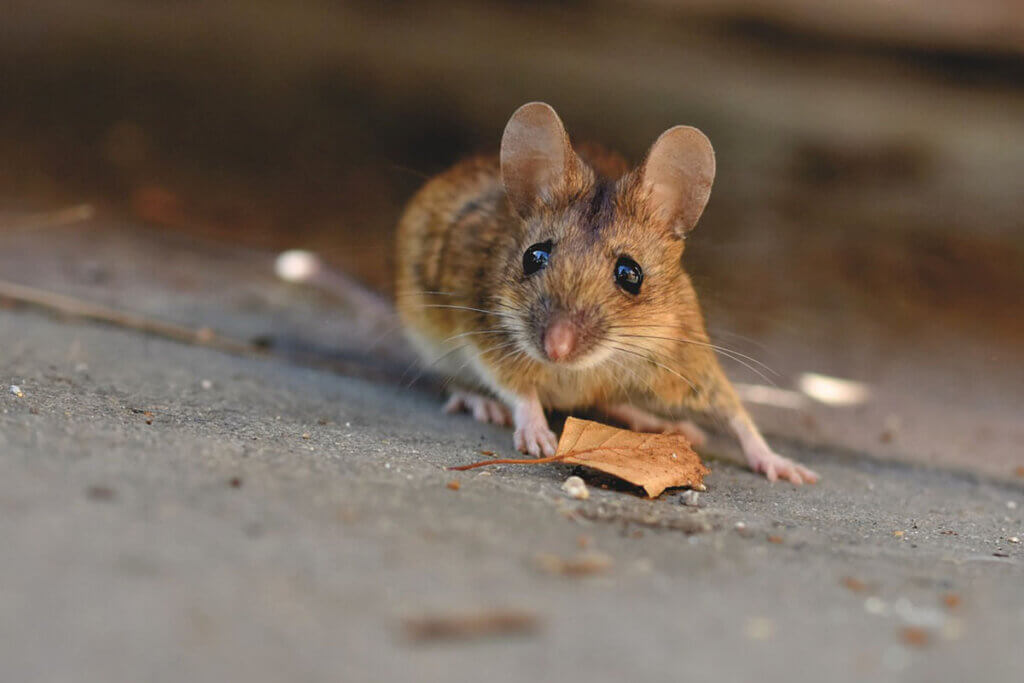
277	522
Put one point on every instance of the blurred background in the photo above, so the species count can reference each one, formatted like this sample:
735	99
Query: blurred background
867	220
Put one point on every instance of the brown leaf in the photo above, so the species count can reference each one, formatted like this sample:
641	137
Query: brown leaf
652	461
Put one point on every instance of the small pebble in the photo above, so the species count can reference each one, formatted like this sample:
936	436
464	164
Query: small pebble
206	384
1013	539
759	628
690	498
1012	504
875	605
16	390
576	488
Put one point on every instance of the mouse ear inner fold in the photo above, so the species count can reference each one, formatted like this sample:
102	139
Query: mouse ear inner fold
536	156
677	176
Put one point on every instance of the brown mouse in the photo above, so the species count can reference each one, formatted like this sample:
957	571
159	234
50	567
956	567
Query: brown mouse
551	278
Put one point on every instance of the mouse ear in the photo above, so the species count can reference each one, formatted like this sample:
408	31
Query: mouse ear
677	176
536	156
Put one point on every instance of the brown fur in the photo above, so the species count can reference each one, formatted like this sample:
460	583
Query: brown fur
460	246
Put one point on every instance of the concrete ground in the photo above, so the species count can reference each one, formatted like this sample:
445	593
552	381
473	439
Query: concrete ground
175	513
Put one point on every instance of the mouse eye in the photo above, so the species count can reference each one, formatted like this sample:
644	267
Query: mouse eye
628	274
536	257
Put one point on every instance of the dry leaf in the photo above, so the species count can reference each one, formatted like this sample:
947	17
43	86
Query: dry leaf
653	461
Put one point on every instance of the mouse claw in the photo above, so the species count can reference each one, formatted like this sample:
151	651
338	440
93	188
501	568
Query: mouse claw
538	441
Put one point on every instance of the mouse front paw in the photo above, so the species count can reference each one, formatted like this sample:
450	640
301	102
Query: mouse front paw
536	439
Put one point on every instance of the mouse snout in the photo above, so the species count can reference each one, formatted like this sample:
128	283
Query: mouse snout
560	339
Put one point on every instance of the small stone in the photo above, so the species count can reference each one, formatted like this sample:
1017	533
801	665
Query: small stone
760	628
875	605
576	488
690	498
206	384
1013	539
16	391
454	485
305	435
1011	504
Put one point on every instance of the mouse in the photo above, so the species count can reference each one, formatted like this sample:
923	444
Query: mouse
549	277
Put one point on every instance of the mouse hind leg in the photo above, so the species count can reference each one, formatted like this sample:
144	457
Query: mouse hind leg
640	420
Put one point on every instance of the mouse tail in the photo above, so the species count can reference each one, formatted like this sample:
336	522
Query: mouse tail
306	268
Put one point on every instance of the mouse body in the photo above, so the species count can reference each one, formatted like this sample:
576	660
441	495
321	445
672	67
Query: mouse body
550	277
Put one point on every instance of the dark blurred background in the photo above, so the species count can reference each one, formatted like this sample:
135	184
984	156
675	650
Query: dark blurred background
887	137
871	154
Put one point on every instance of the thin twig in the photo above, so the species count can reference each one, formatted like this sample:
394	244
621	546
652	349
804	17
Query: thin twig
62	304
80	308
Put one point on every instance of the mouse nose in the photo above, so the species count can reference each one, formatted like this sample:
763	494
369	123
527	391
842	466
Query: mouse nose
559	339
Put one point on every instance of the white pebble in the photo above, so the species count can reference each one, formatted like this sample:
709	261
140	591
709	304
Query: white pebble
206	384
690	498
576	488
296	265
1013	539
875	605
1012	504
16	390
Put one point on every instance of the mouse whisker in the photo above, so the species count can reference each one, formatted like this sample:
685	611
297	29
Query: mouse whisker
732	353
651	360
427	367
621	383
473	332
729	353
467	308
426	292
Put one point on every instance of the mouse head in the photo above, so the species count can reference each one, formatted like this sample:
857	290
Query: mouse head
597	256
